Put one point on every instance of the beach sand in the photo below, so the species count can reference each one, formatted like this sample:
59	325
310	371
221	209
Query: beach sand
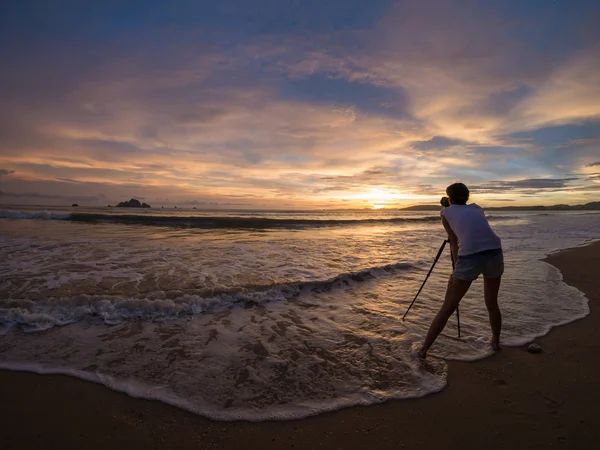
512	400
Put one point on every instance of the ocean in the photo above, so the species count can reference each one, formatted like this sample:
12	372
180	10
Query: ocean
259	315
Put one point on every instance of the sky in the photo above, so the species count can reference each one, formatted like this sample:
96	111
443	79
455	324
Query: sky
299	104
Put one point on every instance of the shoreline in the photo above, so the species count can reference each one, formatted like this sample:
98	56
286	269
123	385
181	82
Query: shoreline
510	400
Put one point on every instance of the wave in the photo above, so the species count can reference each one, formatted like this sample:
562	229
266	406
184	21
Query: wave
43	215
218	222
41	315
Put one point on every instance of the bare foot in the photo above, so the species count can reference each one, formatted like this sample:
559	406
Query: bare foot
417	349
494	344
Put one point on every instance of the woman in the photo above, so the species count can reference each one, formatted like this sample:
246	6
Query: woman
477	251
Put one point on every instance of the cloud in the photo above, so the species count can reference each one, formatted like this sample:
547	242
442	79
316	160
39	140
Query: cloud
435	143
226	101
537	184
364	97
35	195
570	94
212	204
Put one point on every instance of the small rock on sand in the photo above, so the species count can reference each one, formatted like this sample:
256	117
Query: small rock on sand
534	348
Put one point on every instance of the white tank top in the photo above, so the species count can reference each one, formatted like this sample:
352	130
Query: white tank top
471	228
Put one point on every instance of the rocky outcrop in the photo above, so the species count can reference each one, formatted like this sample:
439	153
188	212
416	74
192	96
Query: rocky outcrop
133	203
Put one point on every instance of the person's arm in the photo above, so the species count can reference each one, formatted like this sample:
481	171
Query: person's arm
452	237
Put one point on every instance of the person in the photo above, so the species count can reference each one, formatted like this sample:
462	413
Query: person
477	250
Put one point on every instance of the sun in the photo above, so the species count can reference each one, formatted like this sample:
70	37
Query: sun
380	199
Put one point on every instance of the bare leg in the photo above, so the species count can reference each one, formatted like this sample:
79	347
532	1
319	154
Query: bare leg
491	286
456	290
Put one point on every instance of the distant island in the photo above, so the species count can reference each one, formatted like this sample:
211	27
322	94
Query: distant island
133	203
592	206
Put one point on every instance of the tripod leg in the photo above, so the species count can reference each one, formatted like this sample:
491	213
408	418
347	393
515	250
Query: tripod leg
424	281
458	321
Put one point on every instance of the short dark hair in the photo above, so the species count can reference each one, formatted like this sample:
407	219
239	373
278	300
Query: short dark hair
458	193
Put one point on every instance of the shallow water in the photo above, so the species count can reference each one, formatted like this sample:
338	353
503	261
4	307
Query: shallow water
241	321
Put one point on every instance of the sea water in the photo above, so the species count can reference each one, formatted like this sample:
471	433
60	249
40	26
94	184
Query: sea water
261	315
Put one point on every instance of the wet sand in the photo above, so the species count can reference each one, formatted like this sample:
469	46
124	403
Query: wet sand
513	400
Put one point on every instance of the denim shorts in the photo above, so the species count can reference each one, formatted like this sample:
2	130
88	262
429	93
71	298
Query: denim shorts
489	263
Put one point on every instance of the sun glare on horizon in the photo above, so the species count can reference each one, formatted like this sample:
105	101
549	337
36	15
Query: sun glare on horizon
378	198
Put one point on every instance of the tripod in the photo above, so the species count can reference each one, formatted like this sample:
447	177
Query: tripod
429	273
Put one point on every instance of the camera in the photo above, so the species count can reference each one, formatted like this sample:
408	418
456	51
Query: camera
445	202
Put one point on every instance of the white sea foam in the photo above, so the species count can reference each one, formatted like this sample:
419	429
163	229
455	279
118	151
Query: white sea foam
281	362
428	381
42	314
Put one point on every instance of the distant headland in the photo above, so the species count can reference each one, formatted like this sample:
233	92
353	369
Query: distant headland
592	206
133	203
